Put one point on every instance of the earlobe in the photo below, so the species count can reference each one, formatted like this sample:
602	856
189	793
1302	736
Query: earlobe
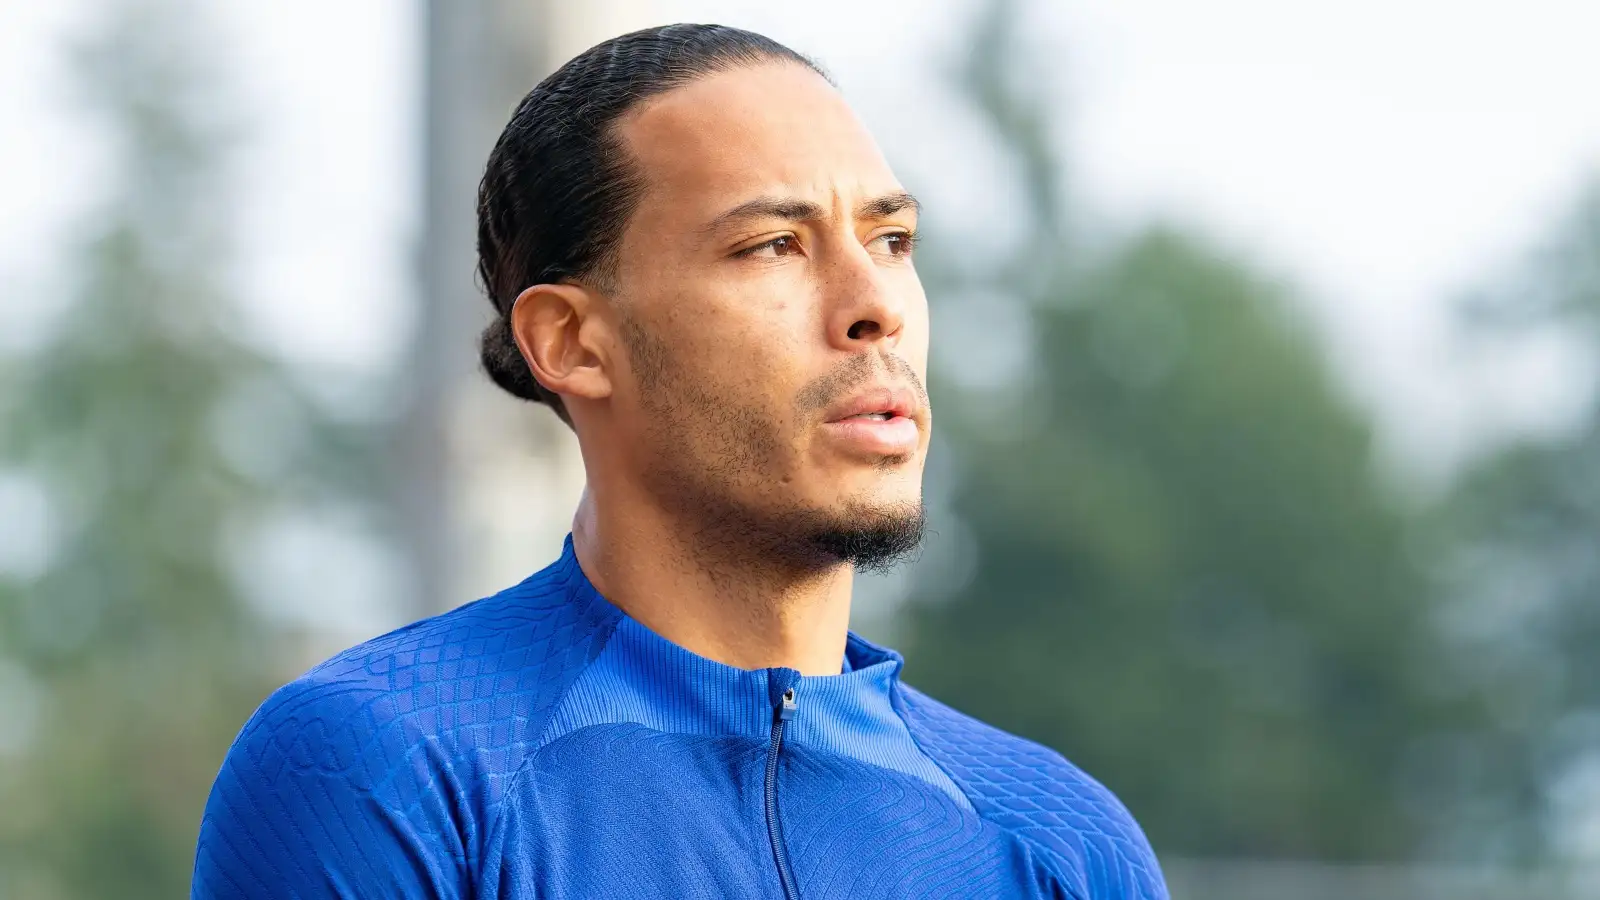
553	327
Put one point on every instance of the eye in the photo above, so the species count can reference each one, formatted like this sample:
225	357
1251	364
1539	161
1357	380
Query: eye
782	245
896	243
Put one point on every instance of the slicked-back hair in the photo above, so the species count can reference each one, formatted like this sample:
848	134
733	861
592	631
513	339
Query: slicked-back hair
560	187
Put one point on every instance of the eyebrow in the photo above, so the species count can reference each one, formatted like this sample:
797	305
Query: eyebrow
796	210
887	205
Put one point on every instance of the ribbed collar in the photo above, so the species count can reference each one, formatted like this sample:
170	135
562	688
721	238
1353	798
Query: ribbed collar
639	674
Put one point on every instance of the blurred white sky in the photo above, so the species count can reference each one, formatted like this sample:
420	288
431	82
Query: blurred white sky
1382	154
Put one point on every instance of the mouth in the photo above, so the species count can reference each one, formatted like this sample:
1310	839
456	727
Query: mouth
878	422
880	403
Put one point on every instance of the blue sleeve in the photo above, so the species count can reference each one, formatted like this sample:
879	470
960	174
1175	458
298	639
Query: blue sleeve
325	795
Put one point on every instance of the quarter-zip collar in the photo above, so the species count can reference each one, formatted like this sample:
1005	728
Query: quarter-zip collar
640	676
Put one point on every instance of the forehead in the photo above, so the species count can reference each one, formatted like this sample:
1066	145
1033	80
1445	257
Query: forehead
771	129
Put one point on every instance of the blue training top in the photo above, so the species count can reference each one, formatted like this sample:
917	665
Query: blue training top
541	743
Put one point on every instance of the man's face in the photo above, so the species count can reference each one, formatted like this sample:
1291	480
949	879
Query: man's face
776	329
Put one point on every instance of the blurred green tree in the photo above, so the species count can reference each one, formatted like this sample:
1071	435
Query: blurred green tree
1167	551
1523	538
153	432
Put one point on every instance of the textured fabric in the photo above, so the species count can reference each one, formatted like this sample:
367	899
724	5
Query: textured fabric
542	744
641	677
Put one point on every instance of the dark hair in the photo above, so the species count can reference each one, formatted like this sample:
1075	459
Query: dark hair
559	186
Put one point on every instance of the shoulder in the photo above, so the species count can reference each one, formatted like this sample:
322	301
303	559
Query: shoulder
500	661
1034	792
380	769
418	727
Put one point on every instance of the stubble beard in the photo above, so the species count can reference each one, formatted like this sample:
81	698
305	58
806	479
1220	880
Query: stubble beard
712	452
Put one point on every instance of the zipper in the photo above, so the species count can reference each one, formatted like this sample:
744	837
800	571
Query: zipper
782	712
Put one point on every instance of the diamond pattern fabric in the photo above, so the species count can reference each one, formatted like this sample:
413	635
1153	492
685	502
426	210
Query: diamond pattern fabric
542	744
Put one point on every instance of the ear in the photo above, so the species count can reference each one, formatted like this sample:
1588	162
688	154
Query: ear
564	340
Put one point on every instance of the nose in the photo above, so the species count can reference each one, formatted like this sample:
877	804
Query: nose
863	307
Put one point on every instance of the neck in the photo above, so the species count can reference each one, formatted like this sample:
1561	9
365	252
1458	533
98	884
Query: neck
721	599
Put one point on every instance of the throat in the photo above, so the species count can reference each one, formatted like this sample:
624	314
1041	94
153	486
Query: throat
736	609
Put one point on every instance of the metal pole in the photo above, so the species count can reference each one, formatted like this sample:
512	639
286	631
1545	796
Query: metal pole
481	57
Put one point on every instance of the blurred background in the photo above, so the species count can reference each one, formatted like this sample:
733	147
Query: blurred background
1267	337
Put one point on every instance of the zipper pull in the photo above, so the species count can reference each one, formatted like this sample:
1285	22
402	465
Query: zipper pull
786	709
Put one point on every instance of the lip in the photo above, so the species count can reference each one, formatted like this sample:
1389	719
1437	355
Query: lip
898	435
898	402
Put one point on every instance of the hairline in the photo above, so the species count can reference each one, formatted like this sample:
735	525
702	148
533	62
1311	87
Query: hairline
615	148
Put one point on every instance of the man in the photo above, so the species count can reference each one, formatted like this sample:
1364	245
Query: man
702	263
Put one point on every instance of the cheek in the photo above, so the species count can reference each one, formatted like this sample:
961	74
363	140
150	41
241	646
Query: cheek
916	333
732	363
918	327
754	337
742	343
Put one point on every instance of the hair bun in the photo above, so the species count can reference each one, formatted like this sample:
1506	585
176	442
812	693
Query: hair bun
503	362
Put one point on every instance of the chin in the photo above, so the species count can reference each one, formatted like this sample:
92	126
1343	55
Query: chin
889	485
872	536
887	500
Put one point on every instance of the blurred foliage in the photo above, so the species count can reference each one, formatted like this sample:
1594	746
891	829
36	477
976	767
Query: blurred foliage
156	436
1522	536
1181	567
1167	551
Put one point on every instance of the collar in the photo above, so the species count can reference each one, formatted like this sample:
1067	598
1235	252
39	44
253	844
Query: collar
640	676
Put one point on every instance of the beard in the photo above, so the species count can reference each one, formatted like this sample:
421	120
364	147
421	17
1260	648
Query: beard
872	542
711	453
